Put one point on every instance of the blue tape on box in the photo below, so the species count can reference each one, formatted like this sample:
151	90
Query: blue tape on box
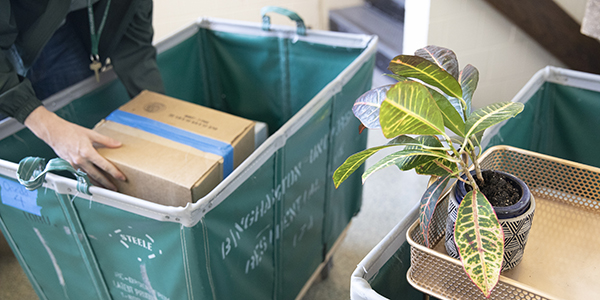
175	134
15	195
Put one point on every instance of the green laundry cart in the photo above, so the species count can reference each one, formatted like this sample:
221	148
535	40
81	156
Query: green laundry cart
262	232
560	119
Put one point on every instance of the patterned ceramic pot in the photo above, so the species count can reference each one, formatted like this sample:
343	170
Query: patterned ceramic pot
516	222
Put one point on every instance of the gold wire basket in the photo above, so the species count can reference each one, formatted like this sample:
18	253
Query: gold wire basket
562	256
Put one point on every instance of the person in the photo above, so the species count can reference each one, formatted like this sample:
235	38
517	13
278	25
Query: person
47	46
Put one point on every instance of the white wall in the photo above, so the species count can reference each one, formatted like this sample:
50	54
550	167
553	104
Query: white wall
505	56
171	15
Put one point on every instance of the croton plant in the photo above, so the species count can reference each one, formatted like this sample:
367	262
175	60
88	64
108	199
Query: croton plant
428	114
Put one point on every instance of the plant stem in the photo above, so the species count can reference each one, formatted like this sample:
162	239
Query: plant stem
471	180
460	178
449	142
475	162
477	168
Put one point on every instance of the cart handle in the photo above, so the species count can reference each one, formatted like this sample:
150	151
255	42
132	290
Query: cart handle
300	29
31	173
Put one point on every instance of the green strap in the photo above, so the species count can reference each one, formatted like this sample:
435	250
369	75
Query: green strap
31	173
95	35
300	29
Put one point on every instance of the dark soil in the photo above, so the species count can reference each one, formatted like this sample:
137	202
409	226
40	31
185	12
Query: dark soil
498	189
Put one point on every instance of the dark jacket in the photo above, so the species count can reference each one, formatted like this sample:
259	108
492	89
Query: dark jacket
126	39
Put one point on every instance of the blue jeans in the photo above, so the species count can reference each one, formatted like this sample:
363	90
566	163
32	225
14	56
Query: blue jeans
63	62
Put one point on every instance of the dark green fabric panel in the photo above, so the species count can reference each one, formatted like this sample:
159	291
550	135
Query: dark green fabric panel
312	66
22	144
48	245
391	282
559	121
576	122
515	132
345	201
245	76
240	237
180	69
137	256
303	184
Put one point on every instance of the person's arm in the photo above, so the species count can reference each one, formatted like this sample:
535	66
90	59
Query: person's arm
75	144
70	141
17	98
134	59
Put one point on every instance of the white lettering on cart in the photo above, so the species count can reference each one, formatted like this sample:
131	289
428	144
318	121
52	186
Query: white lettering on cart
291	214
342	122
260	210
268	235
136	241
132	288
318	149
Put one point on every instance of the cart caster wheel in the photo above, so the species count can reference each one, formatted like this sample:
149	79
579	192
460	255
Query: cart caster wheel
325	271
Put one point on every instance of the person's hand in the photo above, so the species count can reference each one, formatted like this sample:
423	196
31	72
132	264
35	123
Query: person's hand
75	144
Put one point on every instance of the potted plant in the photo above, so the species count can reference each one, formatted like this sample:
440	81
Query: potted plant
428	113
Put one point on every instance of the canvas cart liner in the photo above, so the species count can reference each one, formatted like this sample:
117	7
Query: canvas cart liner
262	232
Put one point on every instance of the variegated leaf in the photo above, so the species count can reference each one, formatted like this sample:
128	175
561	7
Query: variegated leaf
366	107
403	140
424	143
458	106
435	168
352	163
410	109
426	71
453	120
397	157
443	57
397	77
428	202
475	139
490	115
480	241
468	79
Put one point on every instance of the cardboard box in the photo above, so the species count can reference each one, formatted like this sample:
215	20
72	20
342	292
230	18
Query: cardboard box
174	152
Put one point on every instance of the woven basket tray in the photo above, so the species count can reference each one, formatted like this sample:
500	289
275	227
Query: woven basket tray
562	256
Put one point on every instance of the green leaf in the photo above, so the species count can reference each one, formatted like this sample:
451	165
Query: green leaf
428	202
453	120
433	168
366	107
352	164
423	143
410	109
480	241
468	79
426	71
490	115
404	140
398	157
458	106
397	77
443	57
